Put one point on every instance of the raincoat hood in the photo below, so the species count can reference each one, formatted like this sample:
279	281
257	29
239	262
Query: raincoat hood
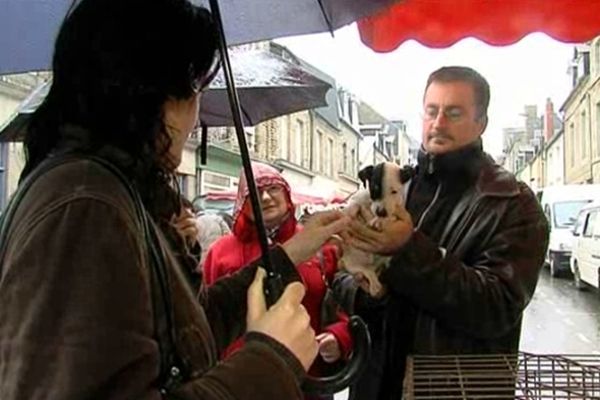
264	176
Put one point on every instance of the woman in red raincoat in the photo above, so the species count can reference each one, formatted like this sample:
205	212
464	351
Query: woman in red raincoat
241	246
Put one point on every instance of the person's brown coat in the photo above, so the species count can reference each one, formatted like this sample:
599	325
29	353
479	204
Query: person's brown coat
76	316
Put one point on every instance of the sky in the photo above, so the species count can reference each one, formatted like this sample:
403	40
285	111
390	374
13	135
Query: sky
527	72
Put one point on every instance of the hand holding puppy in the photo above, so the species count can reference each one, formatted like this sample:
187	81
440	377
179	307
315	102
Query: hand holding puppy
394	231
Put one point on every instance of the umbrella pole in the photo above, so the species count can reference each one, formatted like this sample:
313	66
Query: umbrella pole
241	136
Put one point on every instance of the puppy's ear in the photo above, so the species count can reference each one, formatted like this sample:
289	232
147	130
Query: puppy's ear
406	173
365	175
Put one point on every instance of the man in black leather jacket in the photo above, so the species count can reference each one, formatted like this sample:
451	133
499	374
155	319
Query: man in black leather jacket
466	252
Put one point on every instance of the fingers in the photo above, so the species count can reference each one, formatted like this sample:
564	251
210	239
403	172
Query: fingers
337	226
327	217
257	305
362	281
329	348
352	210
401	213
366	213
292	295
322	336
364	232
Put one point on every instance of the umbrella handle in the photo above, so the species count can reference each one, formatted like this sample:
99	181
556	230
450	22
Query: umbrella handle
272	287
357	362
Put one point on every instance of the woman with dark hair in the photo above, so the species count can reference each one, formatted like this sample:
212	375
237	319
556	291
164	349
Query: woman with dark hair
93	304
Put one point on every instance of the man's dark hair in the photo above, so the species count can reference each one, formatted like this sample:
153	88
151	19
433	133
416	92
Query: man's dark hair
115	64
481	87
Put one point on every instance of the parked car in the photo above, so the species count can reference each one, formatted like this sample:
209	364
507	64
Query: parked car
585	260
561	205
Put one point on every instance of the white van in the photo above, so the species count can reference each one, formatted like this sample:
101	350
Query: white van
561	205
585	260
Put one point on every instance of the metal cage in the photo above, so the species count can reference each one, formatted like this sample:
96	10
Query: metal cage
523	376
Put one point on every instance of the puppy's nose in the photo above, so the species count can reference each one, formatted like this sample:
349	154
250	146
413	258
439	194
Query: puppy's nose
381	212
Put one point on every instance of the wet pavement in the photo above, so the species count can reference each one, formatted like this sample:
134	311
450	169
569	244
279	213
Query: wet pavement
561	319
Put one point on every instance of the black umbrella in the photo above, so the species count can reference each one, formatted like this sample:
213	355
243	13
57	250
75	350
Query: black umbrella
268	86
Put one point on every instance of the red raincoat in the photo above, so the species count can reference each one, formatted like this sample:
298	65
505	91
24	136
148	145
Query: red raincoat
234	250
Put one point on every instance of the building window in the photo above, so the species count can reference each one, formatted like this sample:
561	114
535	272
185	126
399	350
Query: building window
182	180
329	162
573	144
351	111
584	135
353	162
214	182
296	144
597	57
251	139
588	230
285	143
598	126
345	158
306	153
318	155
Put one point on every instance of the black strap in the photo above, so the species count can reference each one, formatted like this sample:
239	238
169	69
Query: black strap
172	369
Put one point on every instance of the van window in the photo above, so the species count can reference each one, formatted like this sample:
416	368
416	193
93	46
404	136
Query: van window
589	225
578	229
565	212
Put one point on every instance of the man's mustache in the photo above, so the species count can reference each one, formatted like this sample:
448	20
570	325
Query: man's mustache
439	135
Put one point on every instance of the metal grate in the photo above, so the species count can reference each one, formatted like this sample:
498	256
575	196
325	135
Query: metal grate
522	376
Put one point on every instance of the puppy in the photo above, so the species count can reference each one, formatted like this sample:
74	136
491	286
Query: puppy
385	187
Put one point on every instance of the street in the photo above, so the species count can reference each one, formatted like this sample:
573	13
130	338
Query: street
561	319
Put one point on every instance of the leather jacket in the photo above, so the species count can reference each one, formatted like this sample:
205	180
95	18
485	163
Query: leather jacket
466	291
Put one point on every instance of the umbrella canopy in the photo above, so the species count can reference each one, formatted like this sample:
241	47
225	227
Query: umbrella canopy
268	87
28	27
441	23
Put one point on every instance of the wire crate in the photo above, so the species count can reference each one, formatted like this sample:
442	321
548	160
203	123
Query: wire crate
522	376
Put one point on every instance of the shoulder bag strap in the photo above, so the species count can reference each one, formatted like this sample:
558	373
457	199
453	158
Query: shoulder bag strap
172	371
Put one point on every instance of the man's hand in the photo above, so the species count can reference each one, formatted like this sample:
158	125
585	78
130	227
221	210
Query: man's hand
393	233
319	229
286	321
329	348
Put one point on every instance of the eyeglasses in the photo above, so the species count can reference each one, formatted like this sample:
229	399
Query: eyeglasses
452	114
201	84
272	190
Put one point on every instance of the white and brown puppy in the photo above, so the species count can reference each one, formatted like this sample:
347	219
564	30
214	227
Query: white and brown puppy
385	189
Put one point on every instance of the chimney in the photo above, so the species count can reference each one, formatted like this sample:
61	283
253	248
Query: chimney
548	121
